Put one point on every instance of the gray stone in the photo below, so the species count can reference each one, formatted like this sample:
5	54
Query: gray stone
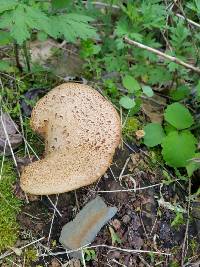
86	225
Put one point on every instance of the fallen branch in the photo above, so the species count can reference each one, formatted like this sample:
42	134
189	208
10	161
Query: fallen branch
161	54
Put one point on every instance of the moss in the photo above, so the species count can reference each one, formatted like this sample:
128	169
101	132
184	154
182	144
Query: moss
10	206
129	129
31	255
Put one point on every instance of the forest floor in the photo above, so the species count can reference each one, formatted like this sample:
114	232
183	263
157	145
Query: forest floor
148	229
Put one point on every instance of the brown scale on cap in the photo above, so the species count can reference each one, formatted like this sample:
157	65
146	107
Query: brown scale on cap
81	131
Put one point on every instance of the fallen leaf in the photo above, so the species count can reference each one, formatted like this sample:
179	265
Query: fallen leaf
153	107
139	134
8	128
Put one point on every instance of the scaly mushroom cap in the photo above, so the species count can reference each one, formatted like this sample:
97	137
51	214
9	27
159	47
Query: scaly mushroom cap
81	131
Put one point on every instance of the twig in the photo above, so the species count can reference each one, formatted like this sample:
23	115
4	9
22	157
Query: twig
101	4
123	169
2	163
184	248
55	208
8	140
52	221
83	258
108	247
10	253
129	190
161	54
115	261
189	20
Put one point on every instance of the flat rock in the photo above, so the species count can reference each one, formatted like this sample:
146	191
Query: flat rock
86	225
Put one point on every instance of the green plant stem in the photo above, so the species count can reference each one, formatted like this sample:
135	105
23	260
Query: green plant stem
16	52
26	54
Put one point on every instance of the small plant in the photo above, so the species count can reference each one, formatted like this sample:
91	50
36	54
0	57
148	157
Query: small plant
114	236
178	220
31	255
177	141
20	19
89	254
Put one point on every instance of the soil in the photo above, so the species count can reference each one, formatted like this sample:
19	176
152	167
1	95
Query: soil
140	223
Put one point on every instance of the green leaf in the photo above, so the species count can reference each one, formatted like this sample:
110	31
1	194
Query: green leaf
114	236
147	90
5	38
193	165
59	4
180	93
22	20
5	66
178	116
126	102
130	84
154	134
73	26
19	29
178	148
178	220
42	36
7	5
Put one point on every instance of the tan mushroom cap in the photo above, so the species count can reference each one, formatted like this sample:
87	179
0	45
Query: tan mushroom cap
81	131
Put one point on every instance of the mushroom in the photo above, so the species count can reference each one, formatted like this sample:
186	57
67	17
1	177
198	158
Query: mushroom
81	131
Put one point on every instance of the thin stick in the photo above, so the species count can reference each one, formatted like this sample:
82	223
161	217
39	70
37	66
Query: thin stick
109	247
123	169
10	253
83	258
4	152
189	20
7	138
52	221
161	54
54	206
129	190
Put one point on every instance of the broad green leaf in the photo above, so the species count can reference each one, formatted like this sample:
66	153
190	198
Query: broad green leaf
7	5
147	90
178	148
169	128
154	134
178	116
130	84
193	165
126	102
180	93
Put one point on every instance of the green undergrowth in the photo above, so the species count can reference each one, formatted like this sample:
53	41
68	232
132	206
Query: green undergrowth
10	207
